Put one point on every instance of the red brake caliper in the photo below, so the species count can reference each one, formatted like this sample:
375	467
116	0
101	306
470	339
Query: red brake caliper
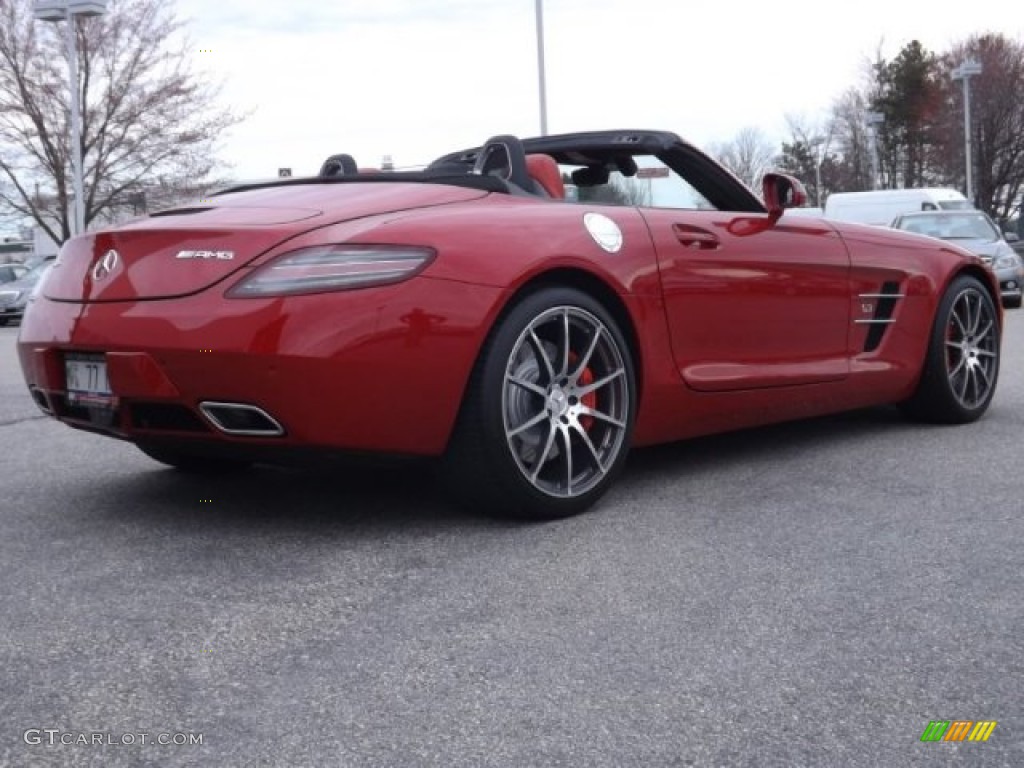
589	399
950	336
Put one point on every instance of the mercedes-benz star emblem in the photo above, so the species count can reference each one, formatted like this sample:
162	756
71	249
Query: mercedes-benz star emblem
105	266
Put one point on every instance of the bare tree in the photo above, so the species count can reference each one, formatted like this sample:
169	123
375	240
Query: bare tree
749	155
797	156
146	118
833	154
633	191
853	143
997	122
620	190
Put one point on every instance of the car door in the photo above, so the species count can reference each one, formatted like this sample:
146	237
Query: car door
750	304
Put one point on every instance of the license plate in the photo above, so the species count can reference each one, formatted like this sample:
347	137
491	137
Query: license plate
87	380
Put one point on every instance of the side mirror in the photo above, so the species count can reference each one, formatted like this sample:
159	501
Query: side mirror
781	191
1011	237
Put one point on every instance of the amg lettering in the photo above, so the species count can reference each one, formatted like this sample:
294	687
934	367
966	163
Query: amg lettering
219	255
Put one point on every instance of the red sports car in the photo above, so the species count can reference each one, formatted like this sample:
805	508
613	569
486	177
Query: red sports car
526	311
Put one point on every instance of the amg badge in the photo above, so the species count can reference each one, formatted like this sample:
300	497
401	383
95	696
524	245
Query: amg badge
219	255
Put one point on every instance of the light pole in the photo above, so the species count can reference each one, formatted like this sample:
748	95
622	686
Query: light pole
540	68
874	119
67	10
965	72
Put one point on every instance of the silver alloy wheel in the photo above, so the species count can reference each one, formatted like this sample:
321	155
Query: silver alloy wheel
565	401
971	348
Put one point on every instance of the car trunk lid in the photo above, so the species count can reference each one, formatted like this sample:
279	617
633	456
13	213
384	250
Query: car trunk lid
185	250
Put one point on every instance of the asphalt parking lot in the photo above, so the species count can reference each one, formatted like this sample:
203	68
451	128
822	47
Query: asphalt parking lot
805	595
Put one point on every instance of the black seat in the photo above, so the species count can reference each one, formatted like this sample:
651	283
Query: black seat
339	165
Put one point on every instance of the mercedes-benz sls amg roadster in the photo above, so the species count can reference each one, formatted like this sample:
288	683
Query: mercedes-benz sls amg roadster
524	311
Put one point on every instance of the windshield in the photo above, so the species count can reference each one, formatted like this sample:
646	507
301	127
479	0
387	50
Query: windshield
647	182
965	225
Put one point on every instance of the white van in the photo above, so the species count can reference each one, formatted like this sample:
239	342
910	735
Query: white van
816	213
882	206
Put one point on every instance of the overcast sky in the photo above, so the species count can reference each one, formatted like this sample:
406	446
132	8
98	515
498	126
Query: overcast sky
415	78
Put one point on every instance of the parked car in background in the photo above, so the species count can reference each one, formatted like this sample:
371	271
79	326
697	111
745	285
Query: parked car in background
9	272
15	294
881	206
1017	240
36	260
976	232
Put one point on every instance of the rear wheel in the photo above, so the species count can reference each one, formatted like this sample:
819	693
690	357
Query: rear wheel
962	365
548	416
194	463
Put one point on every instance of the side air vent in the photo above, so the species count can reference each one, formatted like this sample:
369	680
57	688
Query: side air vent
885	304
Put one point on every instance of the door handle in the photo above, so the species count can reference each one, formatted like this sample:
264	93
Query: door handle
695	237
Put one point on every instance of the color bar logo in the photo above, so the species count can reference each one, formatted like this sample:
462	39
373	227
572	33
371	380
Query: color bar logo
958	730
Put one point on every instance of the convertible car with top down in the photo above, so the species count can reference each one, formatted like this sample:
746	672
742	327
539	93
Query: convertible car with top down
525	312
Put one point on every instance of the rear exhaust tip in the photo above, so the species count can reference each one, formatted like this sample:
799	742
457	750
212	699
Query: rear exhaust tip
41	401
241	419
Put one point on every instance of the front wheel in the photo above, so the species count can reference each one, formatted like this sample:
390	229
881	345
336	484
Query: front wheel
962	364
548	416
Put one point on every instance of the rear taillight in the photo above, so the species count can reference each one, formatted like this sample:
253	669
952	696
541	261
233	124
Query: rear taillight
333	268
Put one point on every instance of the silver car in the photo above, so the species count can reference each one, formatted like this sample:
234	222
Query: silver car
10	272
15	295
976	232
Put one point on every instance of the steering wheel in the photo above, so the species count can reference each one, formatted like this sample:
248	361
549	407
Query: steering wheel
504	157
339	165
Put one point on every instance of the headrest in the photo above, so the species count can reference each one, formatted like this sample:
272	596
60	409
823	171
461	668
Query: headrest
339	165
544	170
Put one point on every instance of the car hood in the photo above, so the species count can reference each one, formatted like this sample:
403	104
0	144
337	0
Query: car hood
184	250
881	237
986	249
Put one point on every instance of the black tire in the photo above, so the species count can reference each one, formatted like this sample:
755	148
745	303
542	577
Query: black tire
503	458
3	321
194	463
962	364
1013	303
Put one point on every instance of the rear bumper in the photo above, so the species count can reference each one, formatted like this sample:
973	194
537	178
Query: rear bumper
380	370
